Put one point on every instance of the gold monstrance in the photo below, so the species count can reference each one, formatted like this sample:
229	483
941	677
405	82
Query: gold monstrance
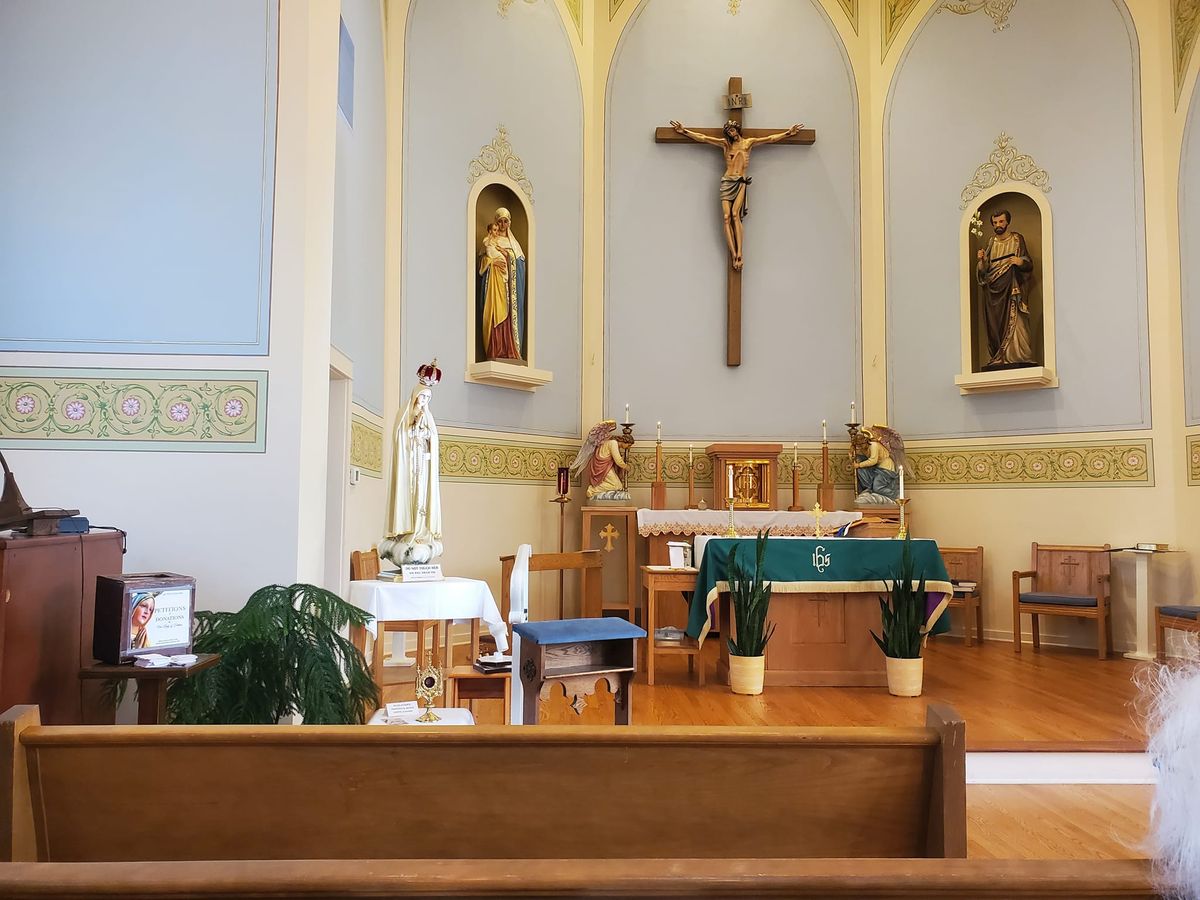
429	687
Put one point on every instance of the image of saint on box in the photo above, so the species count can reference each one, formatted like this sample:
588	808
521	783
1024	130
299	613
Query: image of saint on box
137	614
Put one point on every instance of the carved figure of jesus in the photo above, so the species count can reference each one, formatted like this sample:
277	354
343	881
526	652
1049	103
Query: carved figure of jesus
735	182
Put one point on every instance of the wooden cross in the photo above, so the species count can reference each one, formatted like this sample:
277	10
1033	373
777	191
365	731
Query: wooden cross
608	534
735	102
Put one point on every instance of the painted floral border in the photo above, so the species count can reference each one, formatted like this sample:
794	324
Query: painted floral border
1074	464
115	409
366	445
470	459
1100	463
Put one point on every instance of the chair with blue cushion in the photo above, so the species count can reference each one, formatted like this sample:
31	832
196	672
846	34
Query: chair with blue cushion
1183	618
1065	581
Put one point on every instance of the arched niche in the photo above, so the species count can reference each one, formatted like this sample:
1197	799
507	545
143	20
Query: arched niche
1030	216
495	300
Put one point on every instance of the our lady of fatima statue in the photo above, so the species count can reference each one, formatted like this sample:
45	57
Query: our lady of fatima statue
414	516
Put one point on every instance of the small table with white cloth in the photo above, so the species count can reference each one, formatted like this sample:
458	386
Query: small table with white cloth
446	716
449	600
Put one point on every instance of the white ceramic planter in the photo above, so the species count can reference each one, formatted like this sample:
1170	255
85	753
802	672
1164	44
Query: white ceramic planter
905	676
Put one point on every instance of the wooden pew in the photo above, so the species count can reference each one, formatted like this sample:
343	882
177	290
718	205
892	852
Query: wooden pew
860	879
496	811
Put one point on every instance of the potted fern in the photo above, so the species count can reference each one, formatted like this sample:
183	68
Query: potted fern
749	598
283	653
903	614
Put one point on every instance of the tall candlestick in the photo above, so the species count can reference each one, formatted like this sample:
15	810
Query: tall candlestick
852	419
658	425
795	453
729	472
902	482
824	431
627	413
689	454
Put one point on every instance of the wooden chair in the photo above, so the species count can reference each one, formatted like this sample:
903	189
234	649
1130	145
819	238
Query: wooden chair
966	564
1181	618
586	561
465	682
364	565
1065	581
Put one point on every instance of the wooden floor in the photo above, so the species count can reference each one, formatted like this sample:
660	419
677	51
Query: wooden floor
1031	701
1058	821
1009	702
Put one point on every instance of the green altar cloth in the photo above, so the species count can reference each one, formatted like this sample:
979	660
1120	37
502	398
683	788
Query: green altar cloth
814	565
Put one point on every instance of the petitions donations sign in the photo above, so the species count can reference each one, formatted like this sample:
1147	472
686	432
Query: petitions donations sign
164	617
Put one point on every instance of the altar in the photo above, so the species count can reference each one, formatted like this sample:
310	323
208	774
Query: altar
824	603
659	526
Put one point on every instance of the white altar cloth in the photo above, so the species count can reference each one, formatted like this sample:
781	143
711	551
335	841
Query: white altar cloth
451	599
746	522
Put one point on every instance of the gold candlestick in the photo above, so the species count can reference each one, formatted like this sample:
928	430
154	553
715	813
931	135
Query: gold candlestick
731	532
902	533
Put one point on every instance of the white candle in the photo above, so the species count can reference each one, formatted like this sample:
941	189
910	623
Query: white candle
902	482
658	425
852	419
627	413
795	451
689	454
729	472
824	432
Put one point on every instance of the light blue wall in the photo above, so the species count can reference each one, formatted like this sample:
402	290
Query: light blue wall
665	307
358	211
467	71
1062	81
1189	255
136	168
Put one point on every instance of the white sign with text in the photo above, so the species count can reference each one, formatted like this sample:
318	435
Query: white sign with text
421	573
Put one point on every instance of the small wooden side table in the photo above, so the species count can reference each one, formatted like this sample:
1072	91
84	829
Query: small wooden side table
576	653
151	683
657	579
469	684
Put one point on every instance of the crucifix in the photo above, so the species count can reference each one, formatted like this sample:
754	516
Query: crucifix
735	144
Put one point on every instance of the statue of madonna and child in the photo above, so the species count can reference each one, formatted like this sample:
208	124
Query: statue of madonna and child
414	511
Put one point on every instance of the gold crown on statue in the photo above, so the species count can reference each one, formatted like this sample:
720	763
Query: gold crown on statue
429	374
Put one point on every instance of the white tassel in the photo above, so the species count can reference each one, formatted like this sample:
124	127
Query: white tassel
1173	723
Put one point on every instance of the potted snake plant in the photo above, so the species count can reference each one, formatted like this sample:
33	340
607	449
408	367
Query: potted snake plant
903	614
749	599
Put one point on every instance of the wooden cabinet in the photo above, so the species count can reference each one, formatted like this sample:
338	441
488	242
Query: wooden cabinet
613	530
47	607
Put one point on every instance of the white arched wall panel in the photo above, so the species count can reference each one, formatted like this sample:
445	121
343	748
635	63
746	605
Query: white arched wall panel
1062	81
469	70
358	213
665	251
1189	257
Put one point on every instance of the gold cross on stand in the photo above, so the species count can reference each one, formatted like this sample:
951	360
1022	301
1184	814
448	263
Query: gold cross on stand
608	534
818	514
